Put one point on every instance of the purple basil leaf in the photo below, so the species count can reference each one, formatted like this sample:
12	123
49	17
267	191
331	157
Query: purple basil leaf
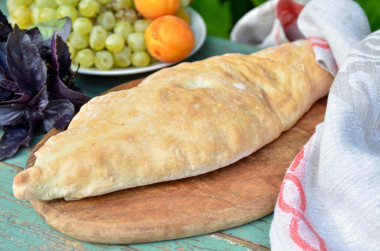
4	94
58	114
4	69
24	109
58	90
64	60
8	85
35	36
13	138
40	101
46	30
12	114
6	88
64	32
2	74
70	84
69	81
5	28
45	51
20	98
37	105
60	56
54	56
25	63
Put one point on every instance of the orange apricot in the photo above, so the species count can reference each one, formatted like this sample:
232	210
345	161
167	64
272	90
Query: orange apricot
169	38
152	9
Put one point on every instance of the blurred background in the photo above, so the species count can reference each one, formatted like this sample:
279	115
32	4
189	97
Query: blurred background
221	15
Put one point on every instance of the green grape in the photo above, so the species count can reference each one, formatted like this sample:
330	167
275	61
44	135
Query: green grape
98	37
11	6
122	58
72	50
22	16
140	59
115	42
88	8
104	2
129	15
85	58
22	2
82	25
141	24
103	60
34	13
46	14
67	2
107	20
67	11
78	41
136	41
122	4
123	28
45	3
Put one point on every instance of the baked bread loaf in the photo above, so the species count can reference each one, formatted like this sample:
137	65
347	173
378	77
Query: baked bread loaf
182	121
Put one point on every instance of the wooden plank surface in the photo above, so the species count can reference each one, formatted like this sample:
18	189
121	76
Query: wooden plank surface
22	228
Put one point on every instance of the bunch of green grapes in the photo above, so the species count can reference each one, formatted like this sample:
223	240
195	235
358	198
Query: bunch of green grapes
105	33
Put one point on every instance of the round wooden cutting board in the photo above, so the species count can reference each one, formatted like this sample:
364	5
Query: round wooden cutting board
229	197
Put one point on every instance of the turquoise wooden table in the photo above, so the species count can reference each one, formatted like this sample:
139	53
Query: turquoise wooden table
21	228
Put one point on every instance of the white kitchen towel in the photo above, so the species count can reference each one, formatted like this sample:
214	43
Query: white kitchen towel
331	26
330	196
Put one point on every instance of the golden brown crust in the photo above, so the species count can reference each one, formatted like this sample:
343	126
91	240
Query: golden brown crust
179	122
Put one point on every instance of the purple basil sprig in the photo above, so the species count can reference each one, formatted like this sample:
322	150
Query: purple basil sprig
36	88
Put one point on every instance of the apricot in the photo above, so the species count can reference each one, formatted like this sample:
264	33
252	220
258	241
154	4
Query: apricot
169	38
152	9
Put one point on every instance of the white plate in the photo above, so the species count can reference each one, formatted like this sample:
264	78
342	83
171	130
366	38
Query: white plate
199	28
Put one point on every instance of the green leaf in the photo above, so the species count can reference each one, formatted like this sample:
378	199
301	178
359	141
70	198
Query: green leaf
217	16
258	2
239	8
63	25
